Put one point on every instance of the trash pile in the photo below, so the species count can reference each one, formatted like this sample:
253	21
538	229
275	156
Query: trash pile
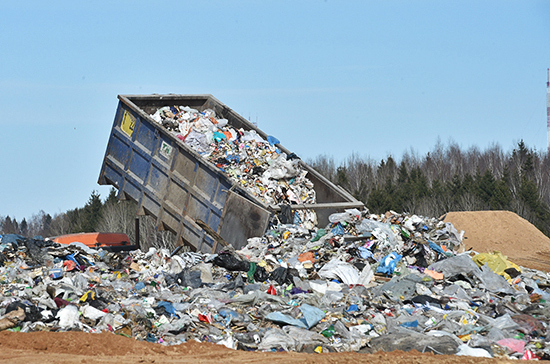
254	163
363	283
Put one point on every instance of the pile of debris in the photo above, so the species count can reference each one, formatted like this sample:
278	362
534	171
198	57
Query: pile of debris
363	283
254	163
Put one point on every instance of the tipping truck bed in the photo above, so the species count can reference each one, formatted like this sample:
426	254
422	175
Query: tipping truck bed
185	192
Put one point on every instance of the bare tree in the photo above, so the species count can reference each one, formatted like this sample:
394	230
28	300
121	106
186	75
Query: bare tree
60	225
119	217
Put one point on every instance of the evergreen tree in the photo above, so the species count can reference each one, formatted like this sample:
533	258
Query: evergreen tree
111	198
402	173
539	212
92	212
468	183
455	189
378	201
342	177
24	227
10	226
485	187
46	223
501	196
420	188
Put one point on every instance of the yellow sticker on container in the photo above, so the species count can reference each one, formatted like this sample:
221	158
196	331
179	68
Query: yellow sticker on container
128	123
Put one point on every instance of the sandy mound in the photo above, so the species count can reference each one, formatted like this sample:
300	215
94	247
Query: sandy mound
504	231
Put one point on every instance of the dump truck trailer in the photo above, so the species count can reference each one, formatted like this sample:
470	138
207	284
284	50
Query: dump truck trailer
186	193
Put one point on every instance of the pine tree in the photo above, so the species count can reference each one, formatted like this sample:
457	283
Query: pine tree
501	196
24	227
9	226
92	212
342	177
46	223
485	187
111	199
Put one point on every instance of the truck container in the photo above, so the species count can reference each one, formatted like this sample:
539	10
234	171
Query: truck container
108	241
186	193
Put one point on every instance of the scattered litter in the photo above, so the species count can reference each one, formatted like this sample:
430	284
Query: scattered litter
362	283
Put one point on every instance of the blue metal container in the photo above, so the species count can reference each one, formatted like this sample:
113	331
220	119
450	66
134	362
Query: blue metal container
185	192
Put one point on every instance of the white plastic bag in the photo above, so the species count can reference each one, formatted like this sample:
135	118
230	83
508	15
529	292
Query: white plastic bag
346	272
68	317
92	313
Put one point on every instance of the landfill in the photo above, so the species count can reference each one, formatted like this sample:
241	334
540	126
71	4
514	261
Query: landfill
363	283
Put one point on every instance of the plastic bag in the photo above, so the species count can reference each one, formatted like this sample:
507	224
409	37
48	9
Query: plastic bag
276	338
515	345
459	264
497	262
388	263
272	140
311	317
231	262
465	350
68	317
493	282
379	229
189	278
168	307
231	316
349	216
279	275
304	337
366	276
92	313
282	168
341	270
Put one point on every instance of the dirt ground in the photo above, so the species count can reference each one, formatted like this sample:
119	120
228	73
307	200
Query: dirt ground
106	348
485	231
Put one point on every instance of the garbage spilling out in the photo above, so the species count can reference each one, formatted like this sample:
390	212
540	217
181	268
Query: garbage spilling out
363	283
197	166
256	164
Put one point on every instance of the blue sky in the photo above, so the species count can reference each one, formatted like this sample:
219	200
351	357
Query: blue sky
324	77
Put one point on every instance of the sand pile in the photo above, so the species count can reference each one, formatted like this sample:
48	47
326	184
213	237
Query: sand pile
504	231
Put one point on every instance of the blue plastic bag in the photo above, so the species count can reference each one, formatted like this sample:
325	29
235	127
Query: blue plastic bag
311	317
272	140
337	230
436	248
410	324
388	263
168	307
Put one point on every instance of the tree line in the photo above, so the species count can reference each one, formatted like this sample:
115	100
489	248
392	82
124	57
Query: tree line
449	179
110	215
445	179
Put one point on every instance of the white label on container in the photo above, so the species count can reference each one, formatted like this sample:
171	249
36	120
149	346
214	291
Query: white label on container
165	149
